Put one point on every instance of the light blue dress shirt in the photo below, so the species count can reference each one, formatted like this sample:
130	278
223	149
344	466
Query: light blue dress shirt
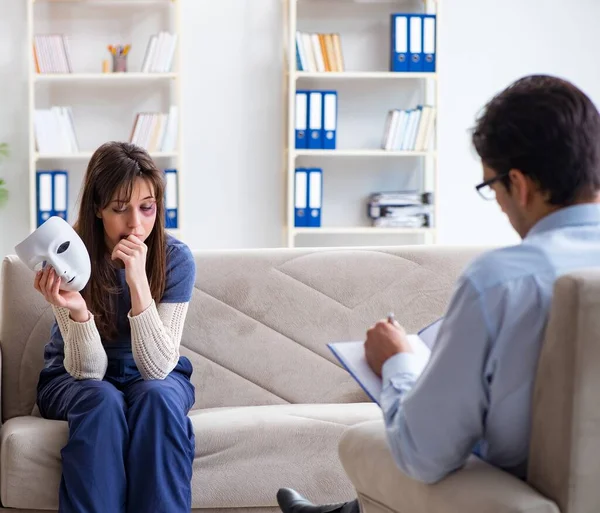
475	393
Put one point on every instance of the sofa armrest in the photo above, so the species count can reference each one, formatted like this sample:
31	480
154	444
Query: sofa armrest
382	487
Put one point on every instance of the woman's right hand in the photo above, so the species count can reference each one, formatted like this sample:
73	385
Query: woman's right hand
48	284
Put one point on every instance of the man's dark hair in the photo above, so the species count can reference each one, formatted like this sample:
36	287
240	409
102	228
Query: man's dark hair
549	130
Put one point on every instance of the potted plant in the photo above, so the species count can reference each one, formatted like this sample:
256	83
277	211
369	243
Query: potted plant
3	189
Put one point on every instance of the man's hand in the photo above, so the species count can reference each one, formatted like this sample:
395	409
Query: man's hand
384	340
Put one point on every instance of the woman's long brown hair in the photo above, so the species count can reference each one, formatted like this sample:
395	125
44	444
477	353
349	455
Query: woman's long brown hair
113	168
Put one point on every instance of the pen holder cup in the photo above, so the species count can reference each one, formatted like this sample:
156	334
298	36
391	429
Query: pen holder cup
119	63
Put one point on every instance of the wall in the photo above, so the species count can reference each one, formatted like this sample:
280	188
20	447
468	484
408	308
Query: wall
233	121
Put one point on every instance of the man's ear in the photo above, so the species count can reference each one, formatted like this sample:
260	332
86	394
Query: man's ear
521	187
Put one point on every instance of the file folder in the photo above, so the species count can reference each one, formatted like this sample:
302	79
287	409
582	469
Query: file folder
171	199
415	37
329	119
399	43
315	196
315	120
301	119
300	198
44	186
429	42
60	193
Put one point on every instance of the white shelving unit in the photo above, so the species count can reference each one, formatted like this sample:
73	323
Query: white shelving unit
424	84
88	85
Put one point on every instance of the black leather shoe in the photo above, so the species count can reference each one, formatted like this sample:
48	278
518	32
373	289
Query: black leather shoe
290	501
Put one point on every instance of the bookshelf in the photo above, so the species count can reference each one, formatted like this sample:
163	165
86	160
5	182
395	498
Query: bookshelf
366	90
104	104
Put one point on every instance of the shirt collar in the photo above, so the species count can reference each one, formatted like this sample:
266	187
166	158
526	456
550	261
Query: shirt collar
576	215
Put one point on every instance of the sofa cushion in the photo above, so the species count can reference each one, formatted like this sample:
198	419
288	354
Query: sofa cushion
243	455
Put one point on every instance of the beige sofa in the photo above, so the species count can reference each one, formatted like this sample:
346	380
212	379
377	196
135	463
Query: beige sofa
271	402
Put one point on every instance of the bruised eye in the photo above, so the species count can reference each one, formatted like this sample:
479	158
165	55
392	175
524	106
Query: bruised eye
147	208
63	247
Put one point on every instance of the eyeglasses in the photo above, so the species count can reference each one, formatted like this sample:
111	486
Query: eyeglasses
485	190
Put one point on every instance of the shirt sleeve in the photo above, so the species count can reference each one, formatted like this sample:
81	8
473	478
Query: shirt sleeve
155	338
84	355
181	275
156	332
434	419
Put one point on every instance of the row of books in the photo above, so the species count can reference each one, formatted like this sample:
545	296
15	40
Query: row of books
413	42
402	209
155	131
409	130
308	196
319	52
54	130
52	192
160	52
51	54
316	120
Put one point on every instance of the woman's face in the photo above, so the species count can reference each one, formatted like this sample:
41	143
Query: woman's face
136	217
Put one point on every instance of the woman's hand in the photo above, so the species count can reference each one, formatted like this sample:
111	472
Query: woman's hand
132	252
48	284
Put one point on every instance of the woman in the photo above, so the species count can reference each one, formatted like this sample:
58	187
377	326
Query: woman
112	367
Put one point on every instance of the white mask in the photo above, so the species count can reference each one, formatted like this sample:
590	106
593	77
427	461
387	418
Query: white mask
57	244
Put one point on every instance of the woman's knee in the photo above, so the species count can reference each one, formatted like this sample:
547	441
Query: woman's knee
160	396
95	395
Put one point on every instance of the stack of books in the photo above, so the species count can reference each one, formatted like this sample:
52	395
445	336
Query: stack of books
319	52
55	131
155	131
160	53
402	209
51	54
409	130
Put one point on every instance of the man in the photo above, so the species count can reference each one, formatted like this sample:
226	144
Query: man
539	143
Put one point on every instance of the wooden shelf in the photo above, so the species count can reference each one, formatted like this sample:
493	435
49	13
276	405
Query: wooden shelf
367	75
120	3
88	155
362	153
360	230
102	77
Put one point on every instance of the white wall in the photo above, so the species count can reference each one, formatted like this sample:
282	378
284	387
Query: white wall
233	119
484	46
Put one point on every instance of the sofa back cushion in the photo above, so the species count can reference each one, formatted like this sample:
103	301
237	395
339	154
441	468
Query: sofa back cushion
259	321
564	462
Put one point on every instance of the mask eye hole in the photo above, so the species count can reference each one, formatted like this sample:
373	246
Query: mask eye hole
63	247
